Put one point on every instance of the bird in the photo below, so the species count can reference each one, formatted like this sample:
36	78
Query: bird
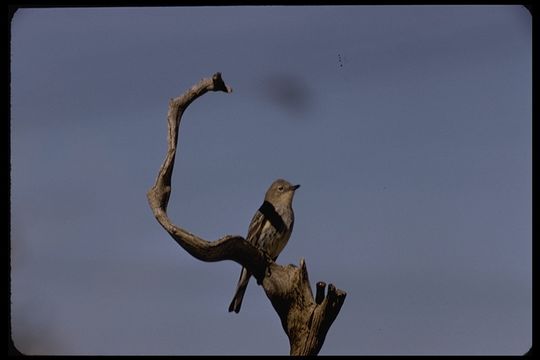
269	230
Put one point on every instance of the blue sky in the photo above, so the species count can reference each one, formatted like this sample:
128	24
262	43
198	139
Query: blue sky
408	127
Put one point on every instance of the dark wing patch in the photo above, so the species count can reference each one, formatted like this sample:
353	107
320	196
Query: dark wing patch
271	214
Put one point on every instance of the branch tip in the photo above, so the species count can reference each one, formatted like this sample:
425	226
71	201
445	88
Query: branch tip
219	84
319	297
303	270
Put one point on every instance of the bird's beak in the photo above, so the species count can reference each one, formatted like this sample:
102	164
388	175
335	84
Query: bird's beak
294	187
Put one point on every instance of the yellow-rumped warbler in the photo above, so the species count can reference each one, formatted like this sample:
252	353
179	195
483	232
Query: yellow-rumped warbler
269	230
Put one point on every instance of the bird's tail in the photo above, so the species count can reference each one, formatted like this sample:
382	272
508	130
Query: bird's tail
236	302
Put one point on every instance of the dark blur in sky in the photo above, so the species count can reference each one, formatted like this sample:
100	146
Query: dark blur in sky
409	128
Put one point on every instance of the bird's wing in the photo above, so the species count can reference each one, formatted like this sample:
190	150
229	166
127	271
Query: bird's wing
255	227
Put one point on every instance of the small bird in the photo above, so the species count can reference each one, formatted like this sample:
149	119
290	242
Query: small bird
269	230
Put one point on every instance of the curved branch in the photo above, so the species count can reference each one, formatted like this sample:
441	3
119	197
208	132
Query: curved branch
227	248
305	320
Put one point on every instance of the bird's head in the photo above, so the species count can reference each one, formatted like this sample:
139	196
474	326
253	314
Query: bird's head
280	192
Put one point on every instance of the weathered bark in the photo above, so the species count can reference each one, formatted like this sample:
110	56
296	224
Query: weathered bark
305	320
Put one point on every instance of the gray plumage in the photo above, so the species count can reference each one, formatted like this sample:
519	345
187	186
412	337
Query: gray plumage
269	230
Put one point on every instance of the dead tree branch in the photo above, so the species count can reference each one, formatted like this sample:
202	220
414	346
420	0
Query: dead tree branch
305	320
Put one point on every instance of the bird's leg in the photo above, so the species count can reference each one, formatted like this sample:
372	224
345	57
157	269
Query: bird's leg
269	261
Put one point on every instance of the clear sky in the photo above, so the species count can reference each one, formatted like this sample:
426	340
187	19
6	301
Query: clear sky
408	127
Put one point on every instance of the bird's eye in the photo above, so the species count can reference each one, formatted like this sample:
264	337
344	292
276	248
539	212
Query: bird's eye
280	188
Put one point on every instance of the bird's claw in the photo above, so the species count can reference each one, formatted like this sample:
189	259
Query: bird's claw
268	262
